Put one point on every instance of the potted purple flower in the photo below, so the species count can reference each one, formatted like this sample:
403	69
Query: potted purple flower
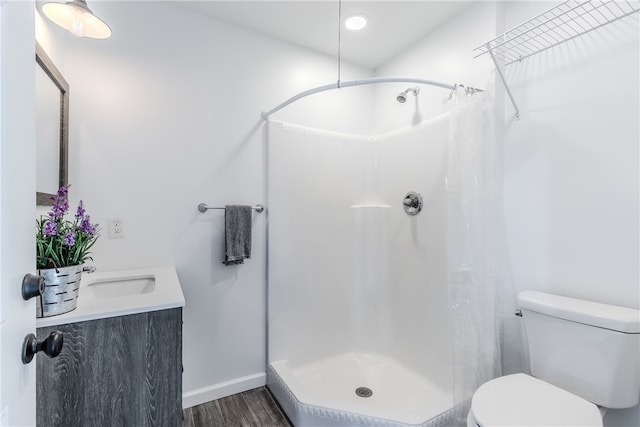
62	247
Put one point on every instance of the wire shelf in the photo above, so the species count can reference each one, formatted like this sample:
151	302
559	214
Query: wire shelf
557	25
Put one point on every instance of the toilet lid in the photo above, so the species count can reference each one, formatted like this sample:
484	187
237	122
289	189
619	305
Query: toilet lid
521	400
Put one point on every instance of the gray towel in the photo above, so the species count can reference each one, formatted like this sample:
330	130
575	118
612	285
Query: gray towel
237	233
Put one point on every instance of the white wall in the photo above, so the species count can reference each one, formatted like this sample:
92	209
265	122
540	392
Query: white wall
572	165
571	168
166	114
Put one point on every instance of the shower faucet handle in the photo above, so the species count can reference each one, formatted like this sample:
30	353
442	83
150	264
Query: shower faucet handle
412	203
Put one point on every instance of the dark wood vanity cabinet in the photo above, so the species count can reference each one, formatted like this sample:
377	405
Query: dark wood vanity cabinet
118	371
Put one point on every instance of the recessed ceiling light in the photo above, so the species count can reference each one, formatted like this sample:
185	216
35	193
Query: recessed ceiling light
355	22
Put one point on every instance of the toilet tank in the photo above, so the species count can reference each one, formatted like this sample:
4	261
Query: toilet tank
587	348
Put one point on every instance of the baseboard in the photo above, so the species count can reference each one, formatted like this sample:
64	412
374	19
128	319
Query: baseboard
224	389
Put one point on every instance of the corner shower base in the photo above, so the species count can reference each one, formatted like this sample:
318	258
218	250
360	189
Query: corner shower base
323	393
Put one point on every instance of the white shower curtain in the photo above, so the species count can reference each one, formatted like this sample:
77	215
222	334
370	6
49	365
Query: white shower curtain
478	271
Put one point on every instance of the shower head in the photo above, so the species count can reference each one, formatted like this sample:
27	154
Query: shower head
402	96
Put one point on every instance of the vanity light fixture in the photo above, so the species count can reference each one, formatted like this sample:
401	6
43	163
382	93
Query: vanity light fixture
76	17
355	22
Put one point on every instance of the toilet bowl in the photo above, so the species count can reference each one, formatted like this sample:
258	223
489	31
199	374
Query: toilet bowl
584	358
522	400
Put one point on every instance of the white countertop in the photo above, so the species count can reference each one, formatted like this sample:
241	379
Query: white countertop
106	294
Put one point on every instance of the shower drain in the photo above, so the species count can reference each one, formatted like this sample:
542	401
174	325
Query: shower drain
364	392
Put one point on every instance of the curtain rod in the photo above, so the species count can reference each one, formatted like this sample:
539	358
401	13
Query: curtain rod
339	85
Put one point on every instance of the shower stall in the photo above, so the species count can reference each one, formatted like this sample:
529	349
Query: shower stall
359	302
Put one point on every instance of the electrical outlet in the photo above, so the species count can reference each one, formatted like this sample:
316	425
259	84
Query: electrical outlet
116	227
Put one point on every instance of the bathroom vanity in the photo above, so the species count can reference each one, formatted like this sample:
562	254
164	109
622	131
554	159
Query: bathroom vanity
121	362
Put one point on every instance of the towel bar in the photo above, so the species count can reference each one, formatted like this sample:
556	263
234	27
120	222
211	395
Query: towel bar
202	207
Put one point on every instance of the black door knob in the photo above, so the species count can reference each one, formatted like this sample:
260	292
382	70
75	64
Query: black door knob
32	286
51	346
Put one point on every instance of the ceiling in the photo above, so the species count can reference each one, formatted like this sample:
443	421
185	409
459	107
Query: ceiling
392	25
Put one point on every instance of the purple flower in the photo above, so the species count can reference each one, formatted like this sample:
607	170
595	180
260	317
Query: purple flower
54	213
60	204
87	227
70	239
62	192
61	195
50	229
58	210
81	211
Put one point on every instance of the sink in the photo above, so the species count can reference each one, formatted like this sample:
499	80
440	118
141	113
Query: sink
122	286
113	293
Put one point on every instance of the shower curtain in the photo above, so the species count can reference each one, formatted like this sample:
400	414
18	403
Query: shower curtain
478	272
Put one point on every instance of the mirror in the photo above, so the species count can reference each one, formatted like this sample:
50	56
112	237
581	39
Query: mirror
52	120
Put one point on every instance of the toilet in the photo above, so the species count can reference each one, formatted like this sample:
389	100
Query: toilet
584	358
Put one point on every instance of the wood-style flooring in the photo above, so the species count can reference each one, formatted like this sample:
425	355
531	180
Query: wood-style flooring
253	408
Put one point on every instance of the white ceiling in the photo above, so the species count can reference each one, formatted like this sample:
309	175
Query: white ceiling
393	25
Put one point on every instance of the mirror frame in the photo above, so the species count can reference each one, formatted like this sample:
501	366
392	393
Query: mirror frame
47	65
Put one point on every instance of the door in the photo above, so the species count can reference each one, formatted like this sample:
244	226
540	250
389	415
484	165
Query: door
17	208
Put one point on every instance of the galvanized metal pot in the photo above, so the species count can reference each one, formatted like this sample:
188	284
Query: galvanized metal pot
62	286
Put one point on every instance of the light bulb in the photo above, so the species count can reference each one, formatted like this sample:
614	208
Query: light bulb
77	22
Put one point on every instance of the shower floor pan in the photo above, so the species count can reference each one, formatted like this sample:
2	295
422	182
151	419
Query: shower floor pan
323	393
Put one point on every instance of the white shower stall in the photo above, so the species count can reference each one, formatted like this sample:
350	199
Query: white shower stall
358	301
